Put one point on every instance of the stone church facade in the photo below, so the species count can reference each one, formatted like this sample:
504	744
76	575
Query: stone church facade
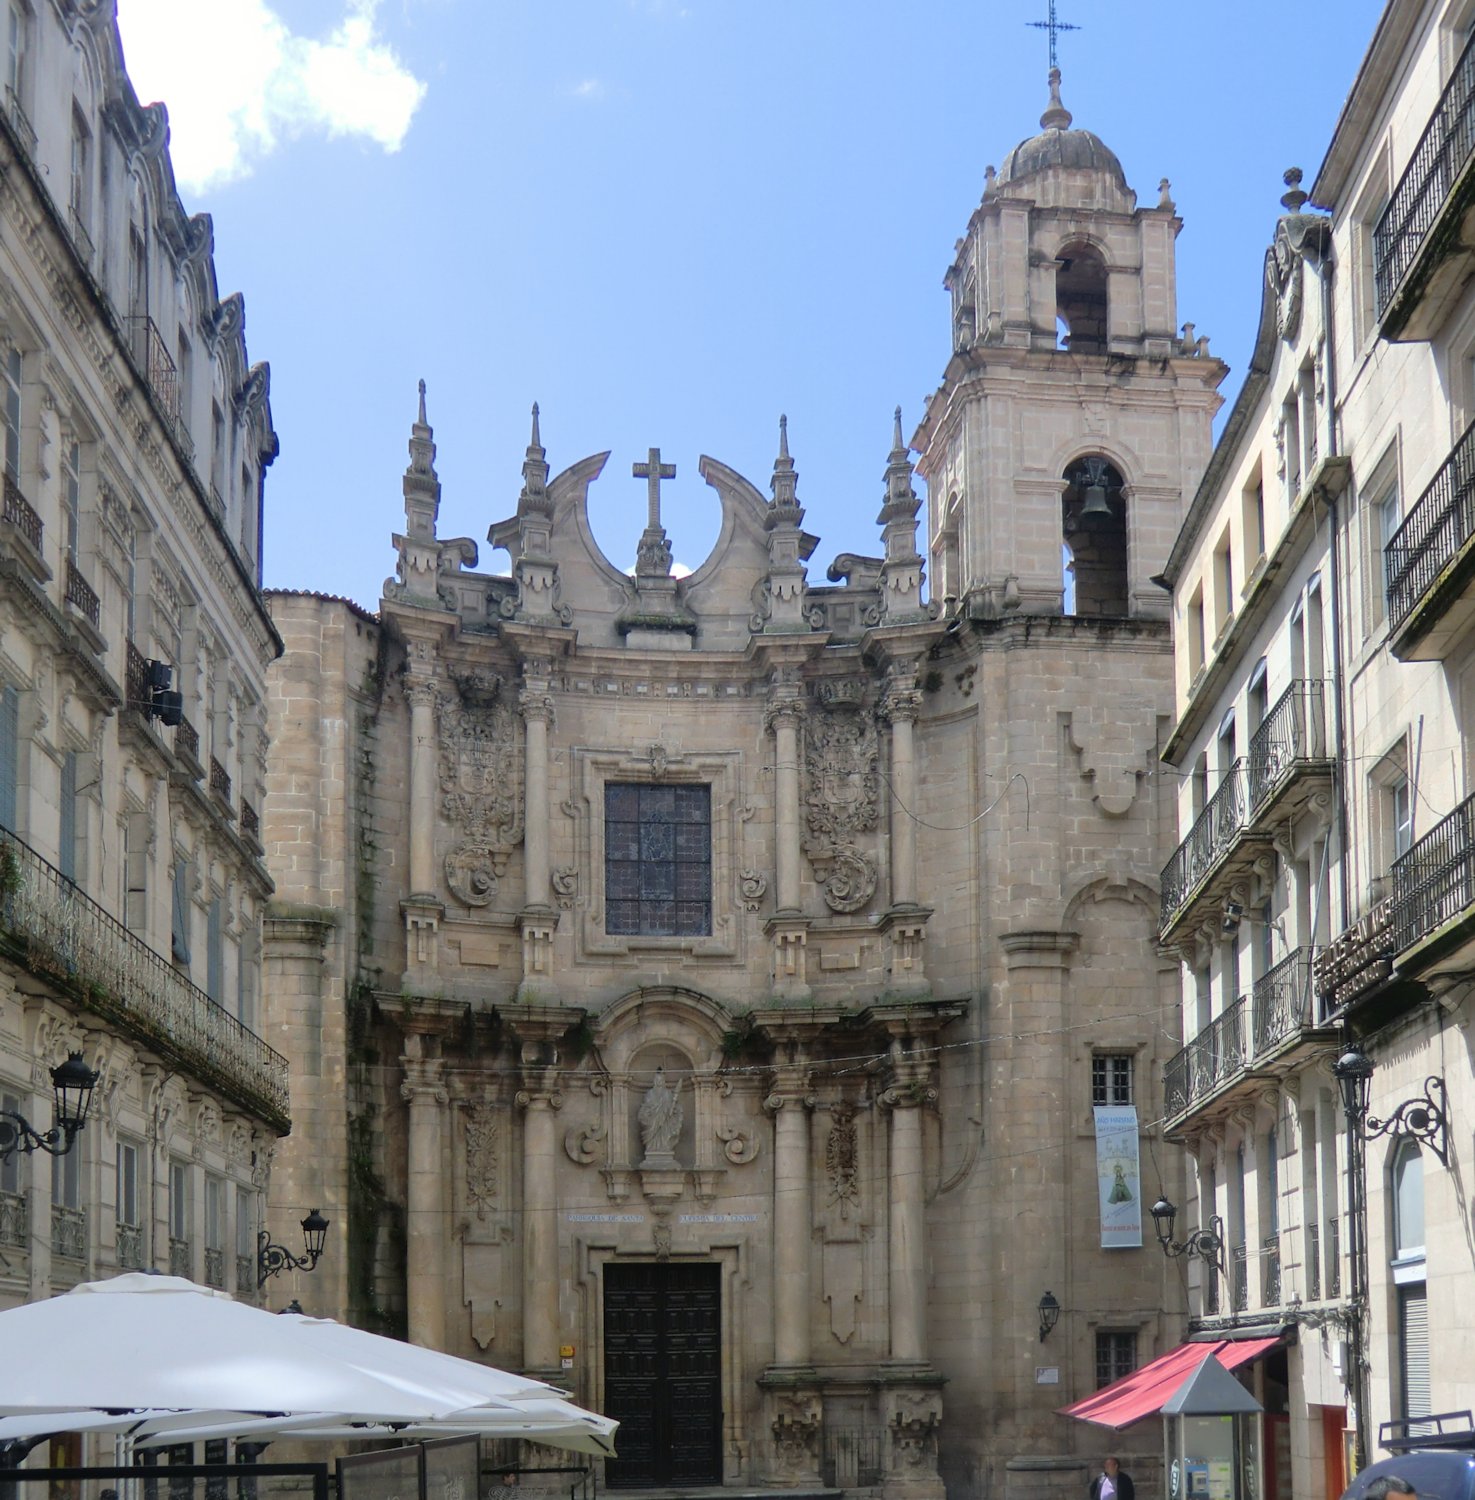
698	990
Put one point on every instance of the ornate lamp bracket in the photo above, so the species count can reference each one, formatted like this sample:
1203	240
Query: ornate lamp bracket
1424	1118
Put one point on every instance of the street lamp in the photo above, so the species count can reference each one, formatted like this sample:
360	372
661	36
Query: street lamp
1049	1310
1207	1244
1424	1117
72	1083
270	1258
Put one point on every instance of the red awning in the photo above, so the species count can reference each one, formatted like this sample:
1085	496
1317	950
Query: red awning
1144	1392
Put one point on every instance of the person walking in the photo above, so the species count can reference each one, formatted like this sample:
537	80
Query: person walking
1112	1483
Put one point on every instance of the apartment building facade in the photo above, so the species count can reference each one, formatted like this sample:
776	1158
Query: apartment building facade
133	648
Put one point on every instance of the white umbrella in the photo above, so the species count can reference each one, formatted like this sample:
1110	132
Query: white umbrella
160	1342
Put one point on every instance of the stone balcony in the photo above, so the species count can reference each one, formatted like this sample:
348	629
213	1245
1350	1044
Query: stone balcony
1424	242
65	943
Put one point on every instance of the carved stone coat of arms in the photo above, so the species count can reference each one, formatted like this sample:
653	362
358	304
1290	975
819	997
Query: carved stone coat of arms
481	787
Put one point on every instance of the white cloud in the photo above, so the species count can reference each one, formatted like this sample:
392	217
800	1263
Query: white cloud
243	85
590	89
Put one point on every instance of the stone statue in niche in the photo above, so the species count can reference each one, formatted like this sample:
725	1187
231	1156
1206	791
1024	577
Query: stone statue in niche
660	1121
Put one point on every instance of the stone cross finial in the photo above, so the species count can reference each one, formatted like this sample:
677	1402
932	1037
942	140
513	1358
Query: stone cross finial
653	471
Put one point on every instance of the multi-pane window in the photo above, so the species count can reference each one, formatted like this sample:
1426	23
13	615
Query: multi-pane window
1111	1078
128	1184
215	951
1401	816
1116	1356
78	193
71	494
15	51
179	1201
10	409
179	925
658	860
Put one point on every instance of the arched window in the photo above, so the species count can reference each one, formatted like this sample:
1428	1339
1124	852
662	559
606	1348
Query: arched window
1093	520
1080	298
1408	1200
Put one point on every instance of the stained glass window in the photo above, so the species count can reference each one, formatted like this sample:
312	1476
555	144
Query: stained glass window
658	860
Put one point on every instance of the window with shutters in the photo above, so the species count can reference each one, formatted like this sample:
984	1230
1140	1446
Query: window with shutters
179	926
215	951
9	755
10	409
66	839
658	859
1413	1349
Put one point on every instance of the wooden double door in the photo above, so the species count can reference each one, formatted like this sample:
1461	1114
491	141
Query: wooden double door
662	1373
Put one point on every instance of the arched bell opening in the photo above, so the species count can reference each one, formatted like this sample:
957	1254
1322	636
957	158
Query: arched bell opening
1093	523
1080	299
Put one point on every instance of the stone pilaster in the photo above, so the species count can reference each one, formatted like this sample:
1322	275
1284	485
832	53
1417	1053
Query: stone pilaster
790	1104
539	1101
907	1225
788	928
426	1223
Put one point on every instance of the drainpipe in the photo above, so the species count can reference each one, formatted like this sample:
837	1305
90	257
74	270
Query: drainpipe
1356	1171
1325	269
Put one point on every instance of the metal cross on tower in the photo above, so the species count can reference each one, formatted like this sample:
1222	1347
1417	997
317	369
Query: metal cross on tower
1053	25
654	472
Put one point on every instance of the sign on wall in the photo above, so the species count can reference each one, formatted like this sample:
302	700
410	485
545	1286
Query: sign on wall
1118	1180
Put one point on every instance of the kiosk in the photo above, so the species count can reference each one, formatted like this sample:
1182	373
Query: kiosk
1208	1446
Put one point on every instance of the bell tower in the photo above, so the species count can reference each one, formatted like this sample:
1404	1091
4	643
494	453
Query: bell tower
1073	421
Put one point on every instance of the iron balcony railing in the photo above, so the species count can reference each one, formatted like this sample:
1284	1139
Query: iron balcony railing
82	596
1281	999
61	934
250	822
68	1232
1435	881
81	239
187	739
136	679
1270	1272
245	1276
851	1456
1333	1277
219	780
214	1268
1440	523
1293	733
179	1258
154	358
20	122
1212	1058
1211	837
1313	1263
1432	171
15	1220
130	1247
21	514
1239	1275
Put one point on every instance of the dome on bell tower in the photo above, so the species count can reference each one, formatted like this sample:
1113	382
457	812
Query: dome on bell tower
1059	148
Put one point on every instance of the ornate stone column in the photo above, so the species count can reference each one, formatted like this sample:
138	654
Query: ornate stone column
539	1100
538	920
907	1226
425	1205
790	1104
537	715
899	708
785	713
421	692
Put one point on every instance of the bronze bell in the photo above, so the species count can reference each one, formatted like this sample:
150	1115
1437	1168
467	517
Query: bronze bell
1094	506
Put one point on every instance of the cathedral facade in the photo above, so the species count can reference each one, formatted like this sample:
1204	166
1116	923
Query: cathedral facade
705	992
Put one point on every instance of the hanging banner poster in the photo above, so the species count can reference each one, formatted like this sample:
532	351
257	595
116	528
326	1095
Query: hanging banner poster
1118	1180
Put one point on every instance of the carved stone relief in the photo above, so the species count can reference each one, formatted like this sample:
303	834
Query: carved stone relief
842	795
842	1161
481	1158
481	786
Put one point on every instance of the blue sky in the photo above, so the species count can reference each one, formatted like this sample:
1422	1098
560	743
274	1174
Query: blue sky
667	221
